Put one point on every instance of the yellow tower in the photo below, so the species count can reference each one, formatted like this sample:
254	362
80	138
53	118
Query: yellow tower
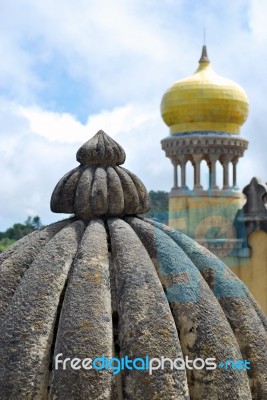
204	113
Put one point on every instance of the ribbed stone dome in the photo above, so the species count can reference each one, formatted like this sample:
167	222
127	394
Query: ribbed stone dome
204	101
123	286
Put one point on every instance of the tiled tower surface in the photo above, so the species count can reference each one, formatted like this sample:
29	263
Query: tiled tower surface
108	282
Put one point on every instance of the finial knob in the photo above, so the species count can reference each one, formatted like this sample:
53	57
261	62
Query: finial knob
99	187
101	150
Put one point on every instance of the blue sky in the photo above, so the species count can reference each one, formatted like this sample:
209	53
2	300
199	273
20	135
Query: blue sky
69	68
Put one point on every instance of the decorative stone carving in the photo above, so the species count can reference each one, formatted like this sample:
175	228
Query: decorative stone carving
204	144
210	148
88	189
254	212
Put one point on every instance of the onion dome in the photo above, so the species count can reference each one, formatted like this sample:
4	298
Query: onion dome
100	285
205	102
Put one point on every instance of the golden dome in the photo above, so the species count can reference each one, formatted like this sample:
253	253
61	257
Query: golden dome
204	101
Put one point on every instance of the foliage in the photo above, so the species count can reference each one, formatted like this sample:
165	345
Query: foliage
17	231
158	206
5	243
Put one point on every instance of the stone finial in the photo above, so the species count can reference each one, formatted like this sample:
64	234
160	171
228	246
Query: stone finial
254	211
101	150
254	193
99	186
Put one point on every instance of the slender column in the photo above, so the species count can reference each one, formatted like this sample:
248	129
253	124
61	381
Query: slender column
225	164
197	158
209	165
175	176
225	175
183	160
183	174
234	162
212	167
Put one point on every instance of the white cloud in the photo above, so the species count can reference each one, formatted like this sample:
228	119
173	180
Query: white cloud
258	10
122	56
41	148
66	128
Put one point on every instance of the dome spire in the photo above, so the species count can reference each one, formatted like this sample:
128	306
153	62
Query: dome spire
204	55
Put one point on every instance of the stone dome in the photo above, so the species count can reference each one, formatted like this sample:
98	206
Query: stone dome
204	101
121	285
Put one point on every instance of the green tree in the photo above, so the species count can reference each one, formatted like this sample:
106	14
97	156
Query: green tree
17	231
5	243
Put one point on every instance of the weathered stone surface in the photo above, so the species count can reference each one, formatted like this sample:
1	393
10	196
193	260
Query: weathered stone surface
100	199
237	305
115	190
82	200
18	258
85	326
27	330
131	196
123	287
95	192
133	288
144	202
17	245
101	150
203	328
64	191
146	326
258	310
